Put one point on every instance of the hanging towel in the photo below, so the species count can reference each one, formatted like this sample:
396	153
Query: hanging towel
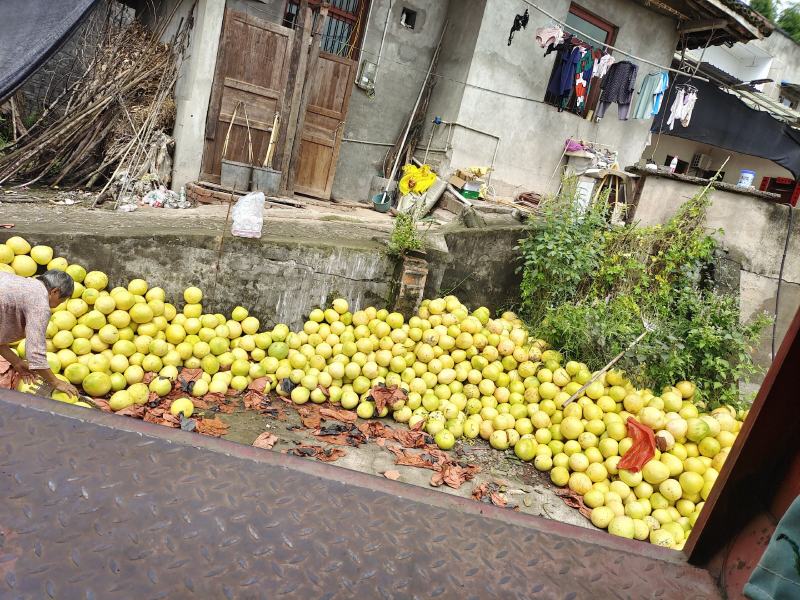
583	75
650	95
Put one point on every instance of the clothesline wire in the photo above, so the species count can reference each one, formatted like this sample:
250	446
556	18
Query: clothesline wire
604	44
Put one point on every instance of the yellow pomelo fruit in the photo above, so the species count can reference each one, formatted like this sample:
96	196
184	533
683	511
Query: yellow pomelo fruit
42	254
24	265
18	245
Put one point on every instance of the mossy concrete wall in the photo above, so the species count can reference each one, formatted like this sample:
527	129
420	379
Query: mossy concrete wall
282	277
479	267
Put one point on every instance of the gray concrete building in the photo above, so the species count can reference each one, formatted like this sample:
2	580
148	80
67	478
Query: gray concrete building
491	93
774	61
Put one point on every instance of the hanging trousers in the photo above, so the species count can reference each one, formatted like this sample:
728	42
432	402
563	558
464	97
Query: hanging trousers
623	110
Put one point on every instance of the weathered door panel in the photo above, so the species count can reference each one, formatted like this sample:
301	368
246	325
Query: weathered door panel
252	68
324	125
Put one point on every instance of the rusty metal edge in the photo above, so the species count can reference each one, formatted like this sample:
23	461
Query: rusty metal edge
333	472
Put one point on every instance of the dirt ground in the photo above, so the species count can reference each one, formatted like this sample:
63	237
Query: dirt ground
519	483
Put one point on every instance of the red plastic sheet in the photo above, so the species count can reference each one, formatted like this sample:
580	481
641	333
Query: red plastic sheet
643	449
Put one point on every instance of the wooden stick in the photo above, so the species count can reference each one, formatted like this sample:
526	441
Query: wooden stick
294	88
273	137
605	369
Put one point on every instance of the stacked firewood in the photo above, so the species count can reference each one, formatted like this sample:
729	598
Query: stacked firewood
110	117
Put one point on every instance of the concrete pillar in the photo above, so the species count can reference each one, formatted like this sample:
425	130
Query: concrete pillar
193	92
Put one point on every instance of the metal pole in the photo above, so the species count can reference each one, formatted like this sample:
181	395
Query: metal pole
414	112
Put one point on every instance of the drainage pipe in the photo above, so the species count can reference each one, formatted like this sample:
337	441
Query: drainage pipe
383	40
481	132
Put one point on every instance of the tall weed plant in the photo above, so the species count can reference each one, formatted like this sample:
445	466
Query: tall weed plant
588	288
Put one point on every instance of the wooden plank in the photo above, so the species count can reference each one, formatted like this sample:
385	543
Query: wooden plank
326	112
219	70
339	134
251	88
294	87
702	25
308	84
319	139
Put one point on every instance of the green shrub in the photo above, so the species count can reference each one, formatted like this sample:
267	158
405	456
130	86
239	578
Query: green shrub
588	287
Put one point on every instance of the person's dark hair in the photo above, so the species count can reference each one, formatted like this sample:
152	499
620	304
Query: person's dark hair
58	280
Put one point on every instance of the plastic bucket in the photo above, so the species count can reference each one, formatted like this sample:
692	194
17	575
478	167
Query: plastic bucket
382	202
746	178
235	175
265	180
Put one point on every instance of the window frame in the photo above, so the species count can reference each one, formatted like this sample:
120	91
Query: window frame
352	18
596	20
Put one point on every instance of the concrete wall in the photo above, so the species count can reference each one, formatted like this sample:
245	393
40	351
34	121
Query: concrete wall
753	234
479	267
292	269
785	62
686	149
380	120
533	133
277	280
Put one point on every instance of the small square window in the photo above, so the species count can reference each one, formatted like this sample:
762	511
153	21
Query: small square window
408	18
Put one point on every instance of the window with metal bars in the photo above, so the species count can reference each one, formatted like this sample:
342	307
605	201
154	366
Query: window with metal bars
342	33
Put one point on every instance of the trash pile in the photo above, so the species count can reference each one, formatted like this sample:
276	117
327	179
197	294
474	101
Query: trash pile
638	463
112	123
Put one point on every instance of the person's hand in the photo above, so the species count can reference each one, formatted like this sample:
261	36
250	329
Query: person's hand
25	373
66	387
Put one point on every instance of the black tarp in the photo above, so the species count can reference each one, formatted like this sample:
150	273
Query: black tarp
30	31
723	120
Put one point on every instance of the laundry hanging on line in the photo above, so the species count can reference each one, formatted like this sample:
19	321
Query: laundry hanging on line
583	75
602	64
651	94
546	36
618	86
683	107
520	22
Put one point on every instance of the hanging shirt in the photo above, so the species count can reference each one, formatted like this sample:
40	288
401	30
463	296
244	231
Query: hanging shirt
562	79
651	94
602	65
583	75
545	36
619	82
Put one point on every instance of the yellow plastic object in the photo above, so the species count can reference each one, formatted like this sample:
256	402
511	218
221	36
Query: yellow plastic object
416	179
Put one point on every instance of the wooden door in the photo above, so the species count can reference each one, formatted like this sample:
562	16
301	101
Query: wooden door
252	68
324	124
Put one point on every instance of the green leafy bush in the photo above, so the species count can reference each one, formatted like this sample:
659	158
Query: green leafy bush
587	288
405	236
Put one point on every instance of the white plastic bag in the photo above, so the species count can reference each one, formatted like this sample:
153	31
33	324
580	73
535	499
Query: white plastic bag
248	215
